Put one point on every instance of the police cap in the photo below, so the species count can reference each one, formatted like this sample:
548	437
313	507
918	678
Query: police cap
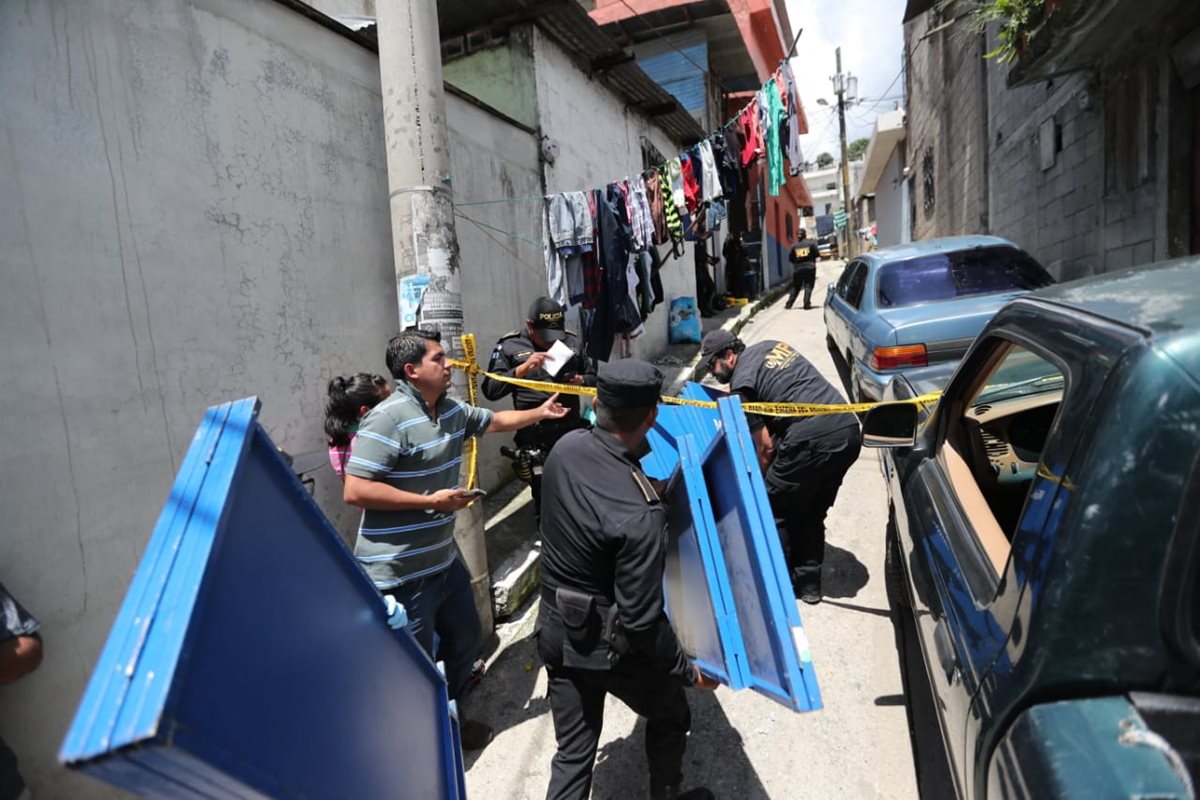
549	318
628	383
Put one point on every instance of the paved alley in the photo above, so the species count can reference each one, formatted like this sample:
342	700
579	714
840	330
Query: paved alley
743	745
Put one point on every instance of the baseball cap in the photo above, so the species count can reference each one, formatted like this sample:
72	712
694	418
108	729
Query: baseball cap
549	318
628	383
713	344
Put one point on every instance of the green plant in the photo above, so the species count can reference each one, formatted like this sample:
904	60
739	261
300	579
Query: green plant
1019	21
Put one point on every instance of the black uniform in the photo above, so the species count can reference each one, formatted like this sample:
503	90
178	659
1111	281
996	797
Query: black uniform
803	256
602	628
510	352
812	454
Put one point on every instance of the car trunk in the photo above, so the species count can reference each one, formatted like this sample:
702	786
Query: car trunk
946	328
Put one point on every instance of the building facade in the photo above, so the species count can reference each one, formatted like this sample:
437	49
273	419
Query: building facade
1083	151
197	211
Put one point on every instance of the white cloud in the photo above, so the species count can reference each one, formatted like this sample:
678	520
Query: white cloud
872	41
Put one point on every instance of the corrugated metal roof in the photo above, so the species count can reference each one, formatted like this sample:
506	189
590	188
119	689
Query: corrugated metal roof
676	69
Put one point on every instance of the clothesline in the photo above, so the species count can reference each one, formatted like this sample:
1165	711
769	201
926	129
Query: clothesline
708	138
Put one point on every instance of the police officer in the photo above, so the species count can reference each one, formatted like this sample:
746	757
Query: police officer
523	355
601	628
803	255
803	459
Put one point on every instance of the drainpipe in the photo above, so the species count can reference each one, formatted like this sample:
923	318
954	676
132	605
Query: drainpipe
424	242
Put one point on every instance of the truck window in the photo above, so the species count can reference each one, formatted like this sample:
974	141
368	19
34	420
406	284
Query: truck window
994	449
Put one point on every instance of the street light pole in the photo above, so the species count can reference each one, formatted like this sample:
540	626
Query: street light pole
839	85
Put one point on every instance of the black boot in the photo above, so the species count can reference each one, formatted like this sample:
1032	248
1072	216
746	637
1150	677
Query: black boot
807	585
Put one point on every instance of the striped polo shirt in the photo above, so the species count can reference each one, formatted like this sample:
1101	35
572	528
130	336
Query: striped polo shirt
400	443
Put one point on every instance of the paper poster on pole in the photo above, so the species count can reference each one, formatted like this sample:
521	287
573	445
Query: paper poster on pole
412	289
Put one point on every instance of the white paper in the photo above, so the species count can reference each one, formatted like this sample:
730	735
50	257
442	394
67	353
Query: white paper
557	357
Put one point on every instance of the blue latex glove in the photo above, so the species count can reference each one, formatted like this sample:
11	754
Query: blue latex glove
397	614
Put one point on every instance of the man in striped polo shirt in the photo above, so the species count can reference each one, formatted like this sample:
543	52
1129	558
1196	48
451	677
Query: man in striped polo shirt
403	472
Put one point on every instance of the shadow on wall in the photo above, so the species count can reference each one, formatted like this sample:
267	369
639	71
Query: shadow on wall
715	758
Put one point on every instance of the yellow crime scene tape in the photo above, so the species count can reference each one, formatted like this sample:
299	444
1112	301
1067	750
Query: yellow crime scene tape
473	371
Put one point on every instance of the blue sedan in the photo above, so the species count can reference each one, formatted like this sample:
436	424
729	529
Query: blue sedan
914	309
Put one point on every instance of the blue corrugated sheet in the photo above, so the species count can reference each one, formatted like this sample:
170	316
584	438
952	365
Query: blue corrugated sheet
679	76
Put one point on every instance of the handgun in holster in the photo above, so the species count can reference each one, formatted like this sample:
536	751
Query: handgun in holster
527	462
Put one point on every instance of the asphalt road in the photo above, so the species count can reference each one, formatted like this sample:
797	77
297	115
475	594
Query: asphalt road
743	745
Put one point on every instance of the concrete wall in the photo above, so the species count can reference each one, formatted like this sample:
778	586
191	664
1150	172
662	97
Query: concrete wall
1087	171
194	210
501	275
500	76
599	142
891	201
947	121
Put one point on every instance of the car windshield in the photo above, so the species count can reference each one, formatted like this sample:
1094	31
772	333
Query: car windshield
1021	374
946	276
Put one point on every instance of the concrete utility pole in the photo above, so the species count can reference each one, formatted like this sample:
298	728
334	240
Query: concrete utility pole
839	87
424	242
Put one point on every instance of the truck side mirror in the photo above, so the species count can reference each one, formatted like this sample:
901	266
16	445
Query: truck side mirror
890	425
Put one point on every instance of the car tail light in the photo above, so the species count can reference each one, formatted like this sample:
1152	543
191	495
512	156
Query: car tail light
909	355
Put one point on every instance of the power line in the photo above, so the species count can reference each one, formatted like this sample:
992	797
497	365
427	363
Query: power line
659	34
888	89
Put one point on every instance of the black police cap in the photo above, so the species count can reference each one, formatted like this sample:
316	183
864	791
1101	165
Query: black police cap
628	383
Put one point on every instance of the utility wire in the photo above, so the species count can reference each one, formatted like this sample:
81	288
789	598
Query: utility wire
650	26
888	89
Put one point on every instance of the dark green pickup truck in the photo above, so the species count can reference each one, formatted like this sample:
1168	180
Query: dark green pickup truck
1045	541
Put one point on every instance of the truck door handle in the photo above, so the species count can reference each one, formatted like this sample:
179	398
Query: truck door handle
944	646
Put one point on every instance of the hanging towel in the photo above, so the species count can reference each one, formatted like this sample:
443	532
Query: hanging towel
691	190
711	182
675	177
775	115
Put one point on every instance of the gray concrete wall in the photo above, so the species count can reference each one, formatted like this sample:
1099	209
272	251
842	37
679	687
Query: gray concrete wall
501	275
1082	171
194	210
890	200
598	141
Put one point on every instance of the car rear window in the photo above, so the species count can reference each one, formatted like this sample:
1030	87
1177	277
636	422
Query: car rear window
946	276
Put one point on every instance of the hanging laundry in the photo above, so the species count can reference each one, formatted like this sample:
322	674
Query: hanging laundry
593	274
675	178
568	234
727	164
797	121
656	286
616	236
643	224
710	184
691	190
654	196
751	131
670	209
775	114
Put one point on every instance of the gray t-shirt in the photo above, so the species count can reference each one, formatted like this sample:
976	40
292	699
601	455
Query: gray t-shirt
400	443
14	621
774	372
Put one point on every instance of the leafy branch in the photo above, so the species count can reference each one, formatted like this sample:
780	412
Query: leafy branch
1020	20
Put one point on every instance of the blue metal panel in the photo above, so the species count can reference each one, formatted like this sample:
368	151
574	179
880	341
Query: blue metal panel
788	642
729	596
251	656
699	599
673	71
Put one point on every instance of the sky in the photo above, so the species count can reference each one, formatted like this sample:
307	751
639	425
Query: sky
872	41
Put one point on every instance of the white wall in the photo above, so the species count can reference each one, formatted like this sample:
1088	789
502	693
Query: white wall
194	210
598	141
